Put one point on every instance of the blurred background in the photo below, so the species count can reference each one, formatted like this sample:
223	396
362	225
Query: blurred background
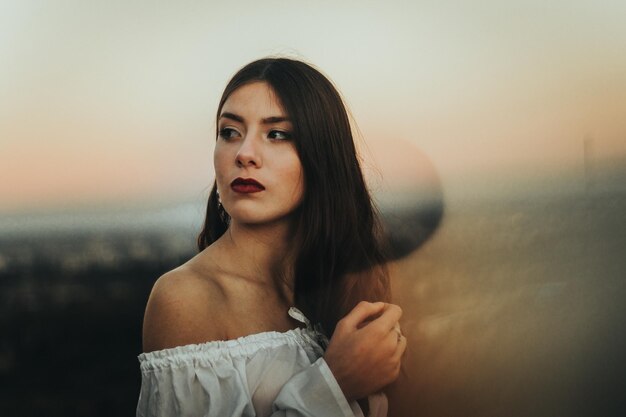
493	135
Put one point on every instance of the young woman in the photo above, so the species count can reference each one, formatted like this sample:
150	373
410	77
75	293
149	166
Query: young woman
284	312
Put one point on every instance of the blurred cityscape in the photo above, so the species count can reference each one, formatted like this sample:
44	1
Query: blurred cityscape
71	307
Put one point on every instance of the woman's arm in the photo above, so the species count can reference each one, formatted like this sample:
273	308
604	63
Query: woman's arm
364	356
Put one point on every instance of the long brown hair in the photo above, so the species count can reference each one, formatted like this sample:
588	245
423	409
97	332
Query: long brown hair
339	259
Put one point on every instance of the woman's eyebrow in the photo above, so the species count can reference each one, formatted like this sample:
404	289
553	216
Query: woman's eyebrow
265	120
274	119
232	116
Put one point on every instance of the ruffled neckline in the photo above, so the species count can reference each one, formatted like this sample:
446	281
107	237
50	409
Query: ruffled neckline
309	338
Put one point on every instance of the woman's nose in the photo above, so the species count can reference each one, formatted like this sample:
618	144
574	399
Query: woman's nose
249	152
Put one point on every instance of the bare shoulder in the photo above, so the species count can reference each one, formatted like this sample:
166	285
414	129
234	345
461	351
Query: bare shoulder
184	308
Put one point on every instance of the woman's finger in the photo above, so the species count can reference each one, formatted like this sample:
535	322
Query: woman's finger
362	312
389	318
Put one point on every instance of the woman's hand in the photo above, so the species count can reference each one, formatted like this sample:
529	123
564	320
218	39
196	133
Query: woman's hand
365	351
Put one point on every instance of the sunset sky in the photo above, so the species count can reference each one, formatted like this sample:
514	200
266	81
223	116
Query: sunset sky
109	102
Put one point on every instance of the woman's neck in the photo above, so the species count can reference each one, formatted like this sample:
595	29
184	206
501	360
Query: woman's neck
258	252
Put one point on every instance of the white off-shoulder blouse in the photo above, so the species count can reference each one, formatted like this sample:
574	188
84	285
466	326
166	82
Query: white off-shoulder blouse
264	374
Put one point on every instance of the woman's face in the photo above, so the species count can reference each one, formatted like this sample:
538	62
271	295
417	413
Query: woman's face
257	169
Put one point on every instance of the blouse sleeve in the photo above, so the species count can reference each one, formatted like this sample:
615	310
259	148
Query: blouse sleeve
313	392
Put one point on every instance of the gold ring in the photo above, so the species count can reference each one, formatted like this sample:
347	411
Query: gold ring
397	330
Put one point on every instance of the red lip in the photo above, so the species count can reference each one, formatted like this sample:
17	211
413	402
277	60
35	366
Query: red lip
246	185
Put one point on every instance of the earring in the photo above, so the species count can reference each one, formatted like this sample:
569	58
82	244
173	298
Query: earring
224	217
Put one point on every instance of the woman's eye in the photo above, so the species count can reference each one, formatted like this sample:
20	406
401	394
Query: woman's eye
228	133
279	135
